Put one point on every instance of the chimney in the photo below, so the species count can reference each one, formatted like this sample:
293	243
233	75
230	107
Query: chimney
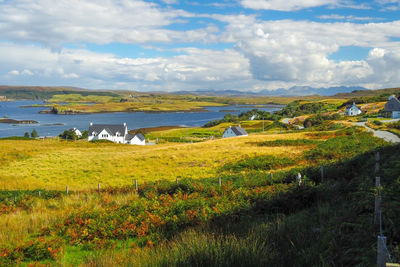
391	97
239	125
91	123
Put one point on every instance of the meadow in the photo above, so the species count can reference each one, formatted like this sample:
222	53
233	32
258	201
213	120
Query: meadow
181	215
202	200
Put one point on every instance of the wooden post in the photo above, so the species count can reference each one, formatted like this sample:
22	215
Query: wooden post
177	180
66	189
98	188
382	255
377	159
271	176
298	179
136	186
219	181
377	201
39	193
322	174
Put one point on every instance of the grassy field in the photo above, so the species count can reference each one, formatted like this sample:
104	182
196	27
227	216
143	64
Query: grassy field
250	220
53	164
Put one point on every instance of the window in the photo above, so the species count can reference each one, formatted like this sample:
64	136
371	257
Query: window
104	135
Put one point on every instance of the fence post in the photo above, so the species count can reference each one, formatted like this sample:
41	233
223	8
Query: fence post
382	254
377	201
39	193
322	174
136	186
66	189
271	176
298	179
98	188
219	181
177	180
377	159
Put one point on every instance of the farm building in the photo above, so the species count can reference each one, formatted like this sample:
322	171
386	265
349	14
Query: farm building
234	131
117	133
135	139
353	110
392	107
76	131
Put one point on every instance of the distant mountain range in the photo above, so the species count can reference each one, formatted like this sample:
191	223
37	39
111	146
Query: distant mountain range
293	91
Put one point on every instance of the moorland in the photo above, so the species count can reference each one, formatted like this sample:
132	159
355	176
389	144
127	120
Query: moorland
194	199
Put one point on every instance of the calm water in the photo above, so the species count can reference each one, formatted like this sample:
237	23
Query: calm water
47	125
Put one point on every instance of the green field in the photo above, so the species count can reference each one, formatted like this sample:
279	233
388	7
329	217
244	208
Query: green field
202	200
250	220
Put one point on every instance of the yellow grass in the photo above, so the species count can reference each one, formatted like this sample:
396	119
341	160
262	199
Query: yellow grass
53	164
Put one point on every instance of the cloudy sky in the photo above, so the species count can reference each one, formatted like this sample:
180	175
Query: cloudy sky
187	45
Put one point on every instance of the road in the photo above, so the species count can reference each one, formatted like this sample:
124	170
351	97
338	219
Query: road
387	136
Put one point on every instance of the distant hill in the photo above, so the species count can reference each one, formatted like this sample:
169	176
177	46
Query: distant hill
293	91
46	92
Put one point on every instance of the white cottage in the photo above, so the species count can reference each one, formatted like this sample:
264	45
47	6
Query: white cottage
234	131
76	131
353	110
392	107
113	132
135	139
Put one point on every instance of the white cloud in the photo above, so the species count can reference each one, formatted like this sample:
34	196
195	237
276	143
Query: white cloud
54	23
285	5
93	70
13	72
27	72
348	18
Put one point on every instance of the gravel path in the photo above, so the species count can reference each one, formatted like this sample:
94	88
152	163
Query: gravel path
387	136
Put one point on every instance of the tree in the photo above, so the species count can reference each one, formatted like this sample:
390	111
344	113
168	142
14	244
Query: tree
68	135
26	135
34	134
84	134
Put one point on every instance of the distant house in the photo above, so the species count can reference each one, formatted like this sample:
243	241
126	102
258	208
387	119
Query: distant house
234	131
76	131
135	139
117	133
353	110
392	107
113	132
253	117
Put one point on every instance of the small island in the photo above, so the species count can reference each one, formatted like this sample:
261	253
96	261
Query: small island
6	120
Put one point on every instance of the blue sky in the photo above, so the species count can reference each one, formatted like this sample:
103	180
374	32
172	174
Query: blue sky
170	45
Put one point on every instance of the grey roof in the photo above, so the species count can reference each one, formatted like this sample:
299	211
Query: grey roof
131	136
392	105
110	128
239	130
348	106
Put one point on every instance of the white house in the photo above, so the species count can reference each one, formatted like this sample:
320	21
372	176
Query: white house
113	132
116	133
353	110
234	131
76	131
135	139
392	107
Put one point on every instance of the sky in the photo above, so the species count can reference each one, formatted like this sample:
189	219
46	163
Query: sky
173	45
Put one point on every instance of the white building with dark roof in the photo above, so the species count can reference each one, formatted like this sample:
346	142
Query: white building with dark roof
234	131
353	110
117	133
135	139
392	107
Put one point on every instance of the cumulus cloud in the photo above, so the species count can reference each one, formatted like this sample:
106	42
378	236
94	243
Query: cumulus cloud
54	23
195	69
285	5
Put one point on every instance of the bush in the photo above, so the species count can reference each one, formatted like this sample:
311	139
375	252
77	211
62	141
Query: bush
377	122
